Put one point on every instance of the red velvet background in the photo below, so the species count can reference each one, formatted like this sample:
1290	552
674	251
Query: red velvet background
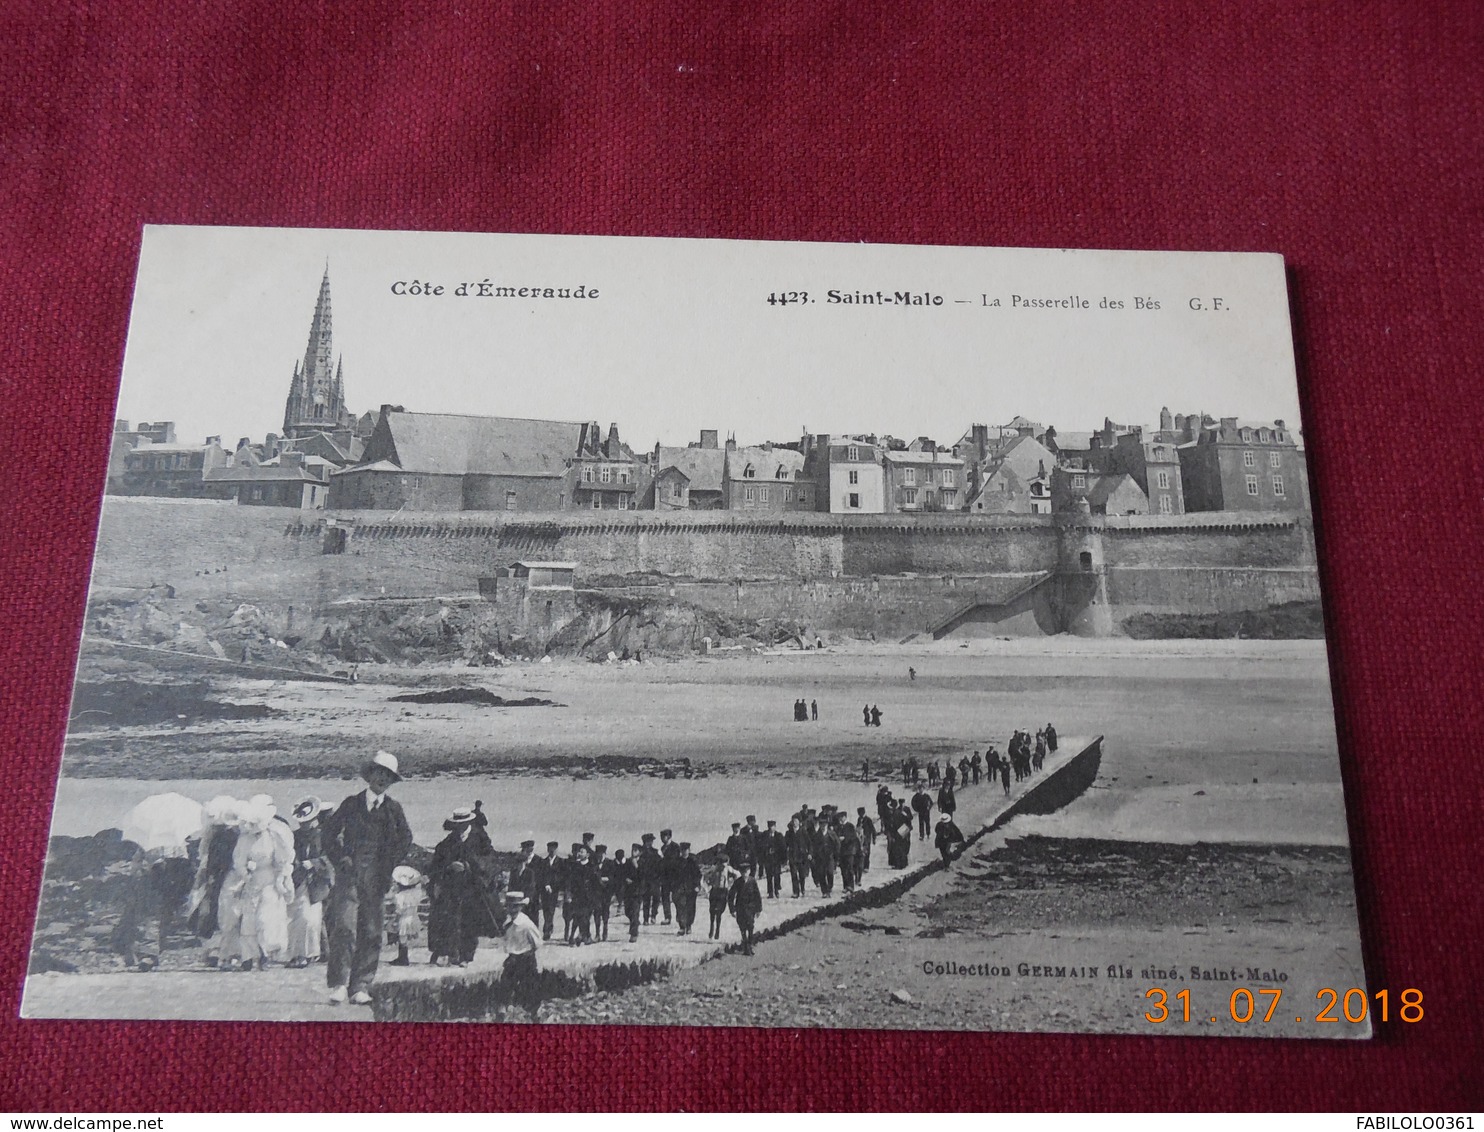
1346	136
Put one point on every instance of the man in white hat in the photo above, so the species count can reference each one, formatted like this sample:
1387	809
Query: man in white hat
366	837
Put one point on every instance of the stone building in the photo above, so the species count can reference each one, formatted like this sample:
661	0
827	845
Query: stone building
762	478
451	462
923	478
171	469
1236	465
290	481
686	479
607	476
843	475
1014	478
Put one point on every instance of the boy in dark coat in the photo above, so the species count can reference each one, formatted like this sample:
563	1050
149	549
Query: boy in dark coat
687	889
746	904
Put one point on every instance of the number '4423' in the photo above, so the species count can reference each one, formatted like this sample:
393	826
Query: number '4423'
783	298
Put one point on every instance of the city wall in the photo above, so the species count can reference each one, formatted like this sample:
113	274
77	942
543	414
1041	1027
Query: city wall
858	574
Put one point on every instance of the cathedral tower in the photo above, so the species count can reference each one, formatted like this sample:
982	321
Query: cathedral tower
316	400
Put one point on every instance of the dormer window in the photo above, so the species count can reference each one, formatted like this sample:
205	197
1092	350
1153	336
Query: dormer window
780	474
853	454
1262	436
748	472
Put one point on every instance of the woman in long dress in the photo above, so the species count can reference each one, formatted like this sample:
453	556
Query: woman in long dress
256	893
899	836
461	892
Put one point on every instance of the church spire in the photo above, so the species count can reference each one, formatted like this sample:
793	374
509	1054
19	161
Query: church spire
316	401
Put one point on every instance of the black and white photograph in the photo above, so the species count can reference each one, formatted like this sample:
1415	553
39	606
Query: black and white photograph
561	629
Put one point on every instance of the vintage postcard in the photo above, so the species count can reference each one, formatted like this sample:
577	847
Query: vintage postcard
571	629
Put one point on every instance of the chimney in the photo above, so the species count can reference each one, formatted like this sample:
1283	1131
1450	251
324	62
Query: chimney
1228	422
210	440
1166	422
731	442
981	439
708	438
1279	423
291	460
612	448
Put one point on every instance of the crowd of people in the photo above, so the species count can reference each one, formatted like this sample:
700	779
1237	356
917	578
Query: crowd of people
333	885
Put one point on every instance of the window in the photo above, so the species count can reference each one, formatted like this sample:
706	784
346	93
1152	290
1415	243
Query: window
950	498
1246	436
1249	460
855	500
788	495
1165	506
510	501
748	472
1079	481
947	477
587	473
597	502
606	474
762	493
1277	485
909	475
780	474
675	490
623	502
1251	485
855	477
852	454
623	475
909	496
1262	435
749	493
1275	459
1163	480
257	495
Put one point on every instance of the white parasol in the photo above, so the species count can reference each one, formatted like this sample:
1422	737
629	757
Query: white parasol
163	821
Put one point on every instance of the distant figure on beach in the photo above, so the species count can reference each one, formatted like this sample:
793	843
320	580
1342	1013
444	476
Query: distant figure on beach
814	710
865	770
875	716
948	773
974	765
911	673
866	714
933	773
1051	738
963	771
1005	774
1040	756
948	836
796	847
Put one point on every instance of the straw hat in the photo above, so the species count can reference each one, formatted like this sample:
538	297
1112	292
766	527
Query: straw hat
307	809
405	876
386	761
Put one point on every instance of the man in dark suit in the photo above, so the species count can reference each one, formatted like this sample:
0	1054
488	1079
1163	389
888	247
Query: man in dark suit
669	854
651	864
687	885
771	853
550	873
366	838
525	879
